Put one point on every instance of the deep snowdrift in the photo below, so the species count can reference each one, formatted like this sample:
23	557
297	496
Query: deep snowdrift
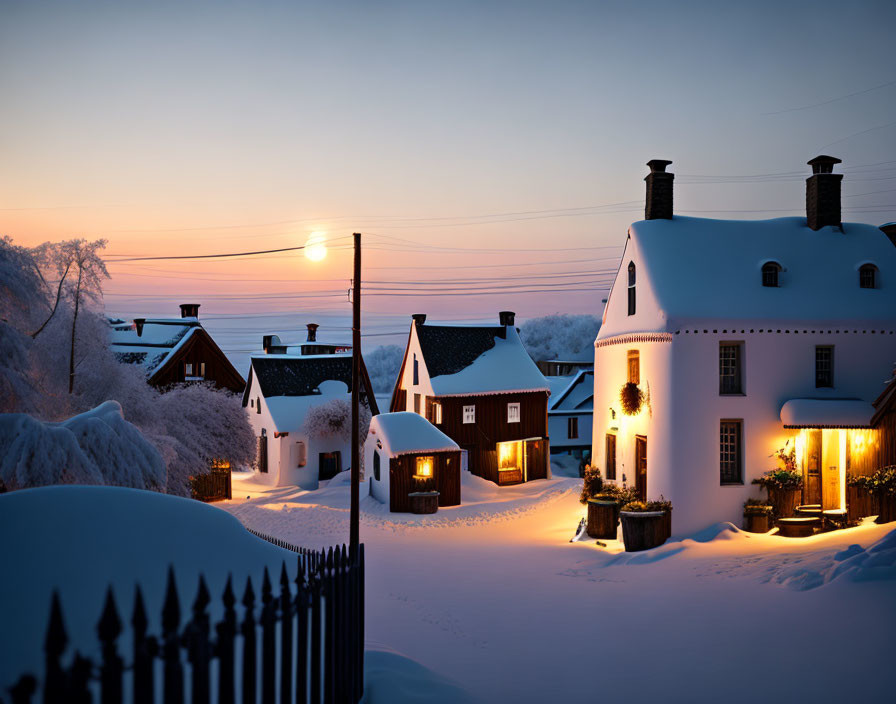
96	447
79	539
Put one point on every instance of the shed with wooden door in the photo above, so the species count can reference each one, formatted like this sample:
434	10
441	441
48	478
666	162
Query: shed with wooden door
404	453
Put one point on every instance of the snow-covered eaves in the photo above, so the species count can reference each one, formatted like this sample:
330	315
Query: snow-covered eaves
157	341
708	273
406	433
577	397
826	413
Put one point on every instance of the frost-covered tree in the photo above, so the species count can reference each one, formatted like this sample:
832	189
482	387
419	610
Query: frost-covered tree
560	336
333	419
383	365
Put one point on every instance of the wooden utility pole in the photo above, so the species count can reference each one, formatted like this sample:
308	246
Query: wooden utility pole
354	518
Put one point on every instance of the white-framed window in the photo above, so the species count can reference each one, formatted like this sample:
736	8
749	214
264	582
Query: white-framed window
437	413
513	413
469	414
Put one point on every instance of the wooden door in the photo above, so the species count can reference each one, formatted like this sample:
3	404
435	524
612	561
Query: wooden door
263	453
812	471
641	466
329	464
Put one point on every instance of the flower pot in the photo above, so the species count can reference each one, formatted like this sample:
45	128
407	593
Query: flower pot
757	522
424	501
860	503
603	518
784	501
642	530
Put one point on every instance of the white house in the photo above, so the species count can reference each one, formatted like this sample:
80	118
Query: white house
571	414
743	337
284	386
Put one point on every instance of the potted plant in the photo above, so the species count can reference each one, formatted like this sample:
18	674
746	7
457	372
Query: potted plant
592	483
645	524
784	486
861	500
757	516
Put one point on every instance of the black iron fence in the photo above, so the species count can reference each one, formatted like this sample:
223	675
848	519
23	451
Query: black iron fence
212	486
303	645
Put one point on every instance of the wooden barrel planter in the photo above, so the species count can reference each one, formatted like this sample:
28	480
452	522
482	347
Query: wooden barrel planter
784	501
642	530
798	527
757	522
667	524
424	501
860	503
603	518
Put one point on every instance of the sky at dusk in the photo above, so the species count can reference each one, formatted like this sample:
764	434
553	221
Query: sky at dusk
490	145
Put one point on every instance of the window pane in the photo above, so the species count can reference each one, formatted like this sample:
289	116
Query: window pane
729	369
730	452
634	367
824	367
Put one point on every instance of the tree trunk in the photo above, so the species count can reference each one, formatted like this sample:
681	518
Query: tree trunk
71	356
55	305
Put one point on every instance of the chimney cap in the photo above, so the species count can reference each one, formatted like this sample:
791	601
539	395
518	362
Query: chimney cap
419	318
312	332
506	317
189	310
823	164
658	165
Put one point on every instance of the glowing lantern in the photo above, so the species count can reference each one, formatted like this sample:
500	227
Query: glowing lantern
424	467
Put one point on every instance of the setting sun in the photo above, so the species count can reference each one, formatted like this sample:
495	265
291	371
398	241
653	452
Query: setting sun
315	249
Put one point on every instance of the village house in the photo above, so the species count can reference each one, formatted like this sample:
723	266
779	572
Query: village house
174	350
478	385
405	453
725	341
287	385
571	415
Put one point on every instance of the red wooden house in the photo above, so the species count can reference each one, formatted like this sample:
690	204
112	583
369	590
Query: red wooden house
478	385
174	350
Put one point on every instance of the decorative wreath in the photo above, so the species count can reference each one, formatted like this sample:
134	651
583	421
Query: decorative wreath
631	397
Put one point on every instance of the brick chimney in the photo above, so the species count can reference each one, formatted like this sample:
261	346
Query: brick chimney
312	332
506	317
189	310
889	229
823	193
139	323
659	191
419	318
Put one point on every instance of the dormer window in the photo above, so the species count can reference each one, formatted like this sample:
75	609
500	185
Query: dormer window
631	288
867	276
770	271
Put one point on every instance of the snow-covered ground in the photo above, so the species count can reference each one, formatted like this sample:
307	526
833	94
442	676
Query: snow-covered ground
492	597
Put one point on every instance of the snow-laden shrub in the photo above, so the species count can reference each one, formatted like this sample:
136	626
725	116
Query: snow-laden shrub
333	420
96	447
383	365
567	337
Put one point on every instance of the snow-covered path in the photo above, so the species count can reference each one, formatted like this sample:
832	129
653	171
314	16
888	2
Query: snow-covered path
493	596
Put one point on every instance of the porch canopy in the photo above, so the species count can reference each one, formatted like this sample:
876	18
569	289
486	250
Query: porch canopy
826	413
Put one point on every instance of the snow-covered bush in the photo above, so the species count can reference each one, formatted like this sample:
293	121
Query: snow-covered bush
333	419
188	426
96	447
383	365
558	336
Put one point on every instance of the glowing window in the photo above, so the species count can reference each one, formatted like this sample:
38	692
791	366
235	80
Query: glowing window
424	467
510	455
437	413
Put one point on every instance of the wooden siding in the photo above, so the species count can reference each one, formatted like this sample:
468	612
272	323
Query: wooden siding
198	349
446	475
886	439
491	427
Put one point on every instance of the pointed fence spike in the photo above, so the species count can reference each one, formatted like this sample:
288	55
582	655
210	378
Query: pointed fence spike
203	598
227	597
139	620
56	639
171	607
266	587
249	594
284	577
109	626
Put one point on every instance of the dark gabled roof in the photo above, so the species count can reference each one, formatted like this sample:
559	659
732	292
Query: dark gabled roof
450	349
294	375
886	402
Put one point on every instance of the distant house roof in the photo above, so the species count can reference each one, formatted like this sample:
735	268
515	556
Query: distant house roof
468	360
158	339
287	375
701	270
826	413
406	433
578	396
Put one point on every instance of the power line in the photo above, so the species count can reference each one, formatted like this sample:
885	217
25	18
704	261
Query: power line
831	100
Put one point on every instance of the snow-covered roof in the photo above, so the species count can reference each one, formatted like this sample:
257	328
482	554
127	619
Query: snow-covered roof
466	360
578	395
826	413
159	338
406	433
557	384
701	270
288	412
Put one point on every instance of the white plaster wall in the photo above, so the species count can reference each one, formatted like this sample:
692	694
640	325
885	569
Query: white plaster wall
260	421
424	388
378	489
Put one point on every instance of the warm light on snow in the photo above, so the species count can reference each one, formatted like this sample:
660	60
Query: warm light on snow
315	249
